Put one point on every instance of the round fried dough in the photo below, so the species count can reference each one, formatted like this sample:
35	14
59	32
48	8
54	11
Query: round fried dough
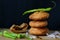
39	16
38	23
38	31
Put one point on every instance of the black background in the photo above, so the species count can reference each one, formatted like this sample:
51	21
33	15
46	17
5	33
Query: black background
11	12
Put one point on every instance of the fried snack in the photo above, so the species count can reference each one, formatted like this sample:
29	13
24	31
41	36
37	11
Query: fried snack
38	24
39	16
19	29
38	31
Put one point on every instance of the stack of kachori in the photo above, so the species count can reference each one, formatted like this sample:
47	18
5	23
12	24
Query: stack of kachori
38	23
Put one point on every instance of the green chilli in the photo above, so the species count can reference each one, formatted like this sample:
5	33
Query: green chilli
8	35
1	33
22	36
18	35
34	10
12	34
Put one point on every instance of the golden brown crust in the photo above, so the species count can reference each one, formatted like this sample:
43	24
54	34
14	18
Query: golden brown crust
38	23
19	29
38	31
39	16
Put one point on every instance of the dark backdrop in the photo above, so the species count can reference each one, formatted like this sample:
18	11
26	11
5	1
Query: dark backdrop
11	12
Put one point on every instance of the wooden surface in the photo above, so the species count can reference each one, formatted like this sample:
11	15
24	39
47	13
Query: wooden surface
40	38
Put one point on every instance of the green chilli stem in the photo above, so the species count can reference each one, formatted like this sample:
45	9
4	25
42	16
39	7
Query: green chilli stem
34	10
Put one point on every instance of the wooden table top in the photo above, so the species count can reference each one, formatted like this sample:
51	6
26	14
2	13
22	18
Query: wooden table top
40	38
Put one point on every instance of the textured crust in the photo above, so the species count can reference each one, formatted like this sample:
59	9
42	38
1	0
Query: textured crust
38	23
39	16
38	31
18	29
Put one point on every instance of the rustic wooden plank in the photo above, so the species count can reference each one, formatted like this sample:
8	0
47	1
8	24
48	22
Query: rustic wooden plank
40	38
